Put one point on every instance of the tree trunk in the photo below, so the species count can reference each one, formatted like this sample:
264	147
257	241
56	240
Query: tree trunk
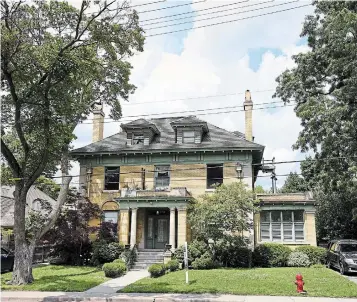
22	273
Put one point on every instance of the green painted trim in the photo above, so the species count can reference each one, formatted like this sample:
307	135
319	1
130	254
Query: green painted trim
152	202
306	207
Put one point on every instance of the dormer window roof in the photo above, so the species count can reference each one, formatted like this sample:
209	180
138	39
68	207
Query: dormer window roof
190	121
140	132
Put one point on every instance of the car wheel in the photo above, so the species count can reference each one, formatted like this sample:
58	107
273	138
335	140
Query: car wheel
342	269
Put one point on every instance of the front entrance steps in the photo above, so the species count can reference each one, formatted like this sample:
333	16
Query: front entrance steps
148	257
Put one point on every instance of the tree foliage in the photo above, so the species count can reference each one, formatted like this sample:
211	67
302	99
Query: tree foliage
294	184
225	213
56	63
323	85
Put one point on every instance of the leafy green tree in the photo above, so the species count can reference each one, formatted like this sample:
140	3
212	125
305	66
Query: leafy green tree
57	62
260	190
294	184
323	87
222	214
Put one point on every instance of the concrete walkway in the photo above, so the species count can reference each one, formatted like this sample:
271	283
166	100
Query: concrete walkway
8	296
113	285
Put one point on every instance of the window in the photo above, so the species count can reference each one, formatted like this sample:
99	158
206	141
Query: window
348	248
188	136
111	216
282	225
214	175
138	139
112	178
162	177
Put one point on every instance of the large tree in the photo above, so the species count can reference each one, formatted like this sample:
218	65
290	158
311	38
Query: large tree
294	184
56	62
323	85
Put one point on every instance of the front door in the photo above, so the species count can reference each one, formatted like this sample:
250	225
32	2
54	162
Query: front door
157	234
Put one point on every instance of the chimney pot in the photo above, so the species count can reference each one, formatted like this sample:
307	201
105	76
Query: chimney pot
248	97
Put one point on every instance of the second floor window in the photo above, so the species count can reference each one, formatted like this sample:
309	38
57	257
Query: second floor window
214	175
112	176
138	138
282	225
188	136
162	177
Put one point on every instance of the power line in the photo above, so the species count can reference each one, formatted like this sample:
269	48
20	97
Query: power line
197	98
168	7
147	3
209	13
192	12
226	15
230	21
199	110
205	113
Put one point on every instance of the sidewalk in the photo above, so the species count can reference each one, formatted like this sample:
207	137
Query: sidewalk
92	297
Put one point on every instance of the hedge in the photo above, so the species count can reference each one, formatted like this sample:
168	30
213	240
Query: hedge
271	255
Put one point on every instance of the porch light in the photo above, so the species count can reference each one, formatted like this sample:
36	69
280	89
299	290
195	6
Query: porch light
157	212
239	169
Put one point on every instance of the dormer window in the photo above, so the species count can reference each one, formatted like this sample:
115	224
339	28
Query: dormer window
138	139
188	136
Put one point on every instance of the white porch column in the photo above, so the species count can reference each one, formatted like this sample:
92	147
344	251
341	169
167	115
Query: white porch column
181	226
133	227
172	228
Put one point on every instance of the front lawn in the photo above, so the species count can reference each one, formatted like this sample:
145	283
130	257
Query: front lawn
259	281
59	278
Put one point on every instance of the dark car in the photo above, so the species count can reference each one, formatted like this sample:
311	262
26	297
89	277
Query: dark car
342	255
7	260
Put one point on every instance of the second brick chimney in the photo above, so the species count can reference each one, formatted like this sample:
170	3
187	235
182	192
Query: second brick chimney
248	107
98	122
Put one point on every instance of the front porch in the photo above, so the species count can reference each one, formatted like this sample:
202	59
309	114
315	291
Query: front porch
152	222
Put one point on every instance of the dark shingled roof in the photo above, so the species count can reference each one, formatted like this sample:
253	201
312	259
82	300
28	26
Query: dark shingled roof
215	138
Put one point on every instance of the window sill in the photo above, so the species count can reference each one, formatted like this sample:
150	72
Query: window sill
286	242
110	191
210	190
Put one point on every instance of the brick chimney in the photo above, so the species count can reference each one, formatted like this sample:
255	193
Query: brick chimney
248	106
98	122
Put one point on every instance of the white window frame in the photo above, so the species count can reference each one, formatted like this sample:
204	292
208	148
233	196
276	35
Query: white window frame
115	212
188	137
293	223
158	169
136	137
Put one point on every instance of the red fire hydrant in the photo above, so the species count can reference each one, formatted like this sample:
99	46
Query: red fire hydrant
300	284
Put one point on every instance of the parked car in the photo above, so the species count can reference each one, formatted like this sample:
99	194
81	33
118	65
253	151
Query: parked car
342	255
7	260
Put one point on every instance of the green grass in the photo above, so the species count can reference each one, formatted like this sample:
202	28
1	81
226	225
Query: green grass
259	281
59	278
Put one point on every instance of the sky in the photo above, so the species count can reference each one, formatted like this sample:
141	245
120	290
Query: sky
217	61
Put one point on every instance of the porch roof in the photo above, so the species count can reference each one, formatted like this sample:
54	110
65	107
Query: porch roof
178	202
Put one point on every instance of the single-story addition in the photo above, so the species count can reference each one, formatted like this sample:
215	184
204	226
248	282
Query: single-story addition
144	176
285	218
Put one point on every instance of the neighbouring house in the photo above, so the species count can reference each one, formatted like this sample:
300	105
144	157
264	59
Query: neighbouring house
33	201
144	177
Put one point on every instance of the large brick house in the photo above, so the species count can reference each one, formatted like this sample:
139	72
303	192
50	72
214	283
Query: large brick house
144	177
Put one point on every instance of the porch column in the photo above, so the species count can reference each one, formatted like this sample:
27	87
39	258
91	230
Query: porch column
133	227
181	226
172	228
124	226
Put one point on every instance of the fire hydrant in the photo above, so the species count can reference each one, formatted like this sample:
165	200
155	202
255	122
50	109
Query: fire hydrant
300	284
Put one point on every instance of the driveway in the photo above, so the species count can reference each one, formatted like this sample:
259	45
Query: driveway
352	277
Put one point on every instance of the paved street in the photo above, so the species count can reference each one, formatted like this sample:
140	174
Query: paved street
352	278
61	297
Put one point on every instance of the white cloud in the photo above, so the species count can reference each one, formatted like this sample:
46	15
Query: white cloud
215	60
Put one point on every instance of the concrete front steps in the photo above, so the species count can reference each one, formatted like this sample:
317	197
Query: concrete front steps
148	257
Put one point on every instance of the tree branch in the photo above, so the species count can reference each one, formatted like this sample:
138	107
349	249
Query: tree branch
11	160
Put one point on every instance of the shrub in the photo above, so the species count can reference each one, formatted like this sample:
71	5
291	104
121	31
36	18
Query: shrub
233	254
271	255
108	232
104	252
119	261
157	270
298	259
173	265
114	270
317	255
129	257
195	250
204	262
